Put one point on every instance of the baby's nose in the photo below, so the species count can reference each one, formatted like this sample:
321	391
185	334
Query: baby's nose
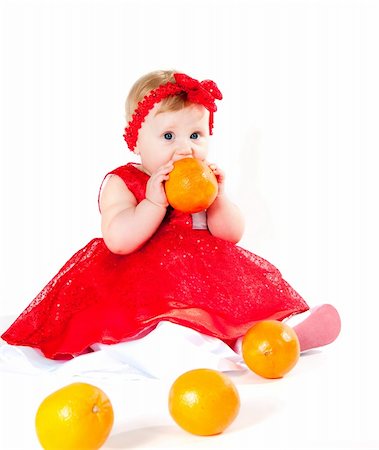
184	151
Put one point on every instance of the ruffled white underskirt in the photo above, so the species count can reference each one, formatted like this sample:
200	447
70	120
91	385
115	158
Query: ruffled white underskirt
165	353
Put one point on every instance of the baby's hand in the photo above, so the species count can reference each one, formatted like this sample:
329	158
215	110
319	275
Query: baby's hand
155	189
220	176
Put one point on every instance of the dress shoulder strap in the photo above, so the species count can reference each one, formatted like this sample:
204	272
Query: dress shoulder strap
134	179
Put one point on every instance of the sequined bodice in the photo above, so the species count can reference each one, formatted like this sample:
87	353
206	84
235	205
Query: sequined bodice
136	181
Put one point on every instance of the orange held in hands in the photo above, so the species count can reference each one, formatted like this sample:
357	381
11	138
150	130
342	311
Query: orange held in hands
270	348
192	186
203	402
77	416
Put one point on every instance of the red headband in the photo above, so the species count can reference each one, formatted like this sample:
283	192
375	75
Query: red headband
204	93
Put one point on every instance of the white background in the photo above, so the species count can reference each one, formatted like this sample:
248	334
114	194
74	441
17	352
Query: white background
296	133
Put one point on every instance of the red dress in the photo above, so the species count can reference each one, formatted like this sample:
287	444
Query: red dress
183	275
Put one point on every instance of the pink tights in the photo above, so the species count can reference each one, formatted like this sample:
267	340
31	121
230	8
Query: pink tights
321	326
317	327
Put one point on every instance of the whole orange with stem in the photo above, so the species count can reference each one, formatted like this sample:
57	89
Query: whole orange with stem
77	416
192	186
270	348
203	401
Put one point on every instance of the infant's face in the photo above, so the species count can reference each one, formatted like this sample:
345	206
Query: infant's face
173	135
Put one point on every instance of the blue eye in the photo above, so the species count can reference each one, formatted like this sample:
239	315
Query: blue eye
168	136
195	136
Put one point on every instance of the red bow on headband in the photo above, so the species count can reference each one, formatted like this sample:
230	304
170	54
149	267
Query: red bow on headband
203	92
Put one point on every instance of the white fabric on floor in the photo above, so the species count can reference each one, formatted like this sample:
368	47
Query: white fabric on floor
166	352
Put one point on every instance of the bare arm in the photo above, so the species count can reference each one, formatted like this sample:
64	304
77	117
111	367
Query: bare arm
126	225
224	217
225	220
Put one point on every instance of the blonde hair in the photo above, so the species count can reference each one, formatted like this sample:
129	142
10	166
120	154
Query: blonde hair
149	82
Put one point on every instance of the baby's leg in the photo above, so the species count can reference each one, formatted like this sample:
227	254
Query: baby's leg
320	326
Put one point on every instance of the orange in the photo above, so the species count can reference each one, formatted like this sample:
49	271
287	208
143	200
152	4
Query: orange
77	416
270	348
203	401
192	186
